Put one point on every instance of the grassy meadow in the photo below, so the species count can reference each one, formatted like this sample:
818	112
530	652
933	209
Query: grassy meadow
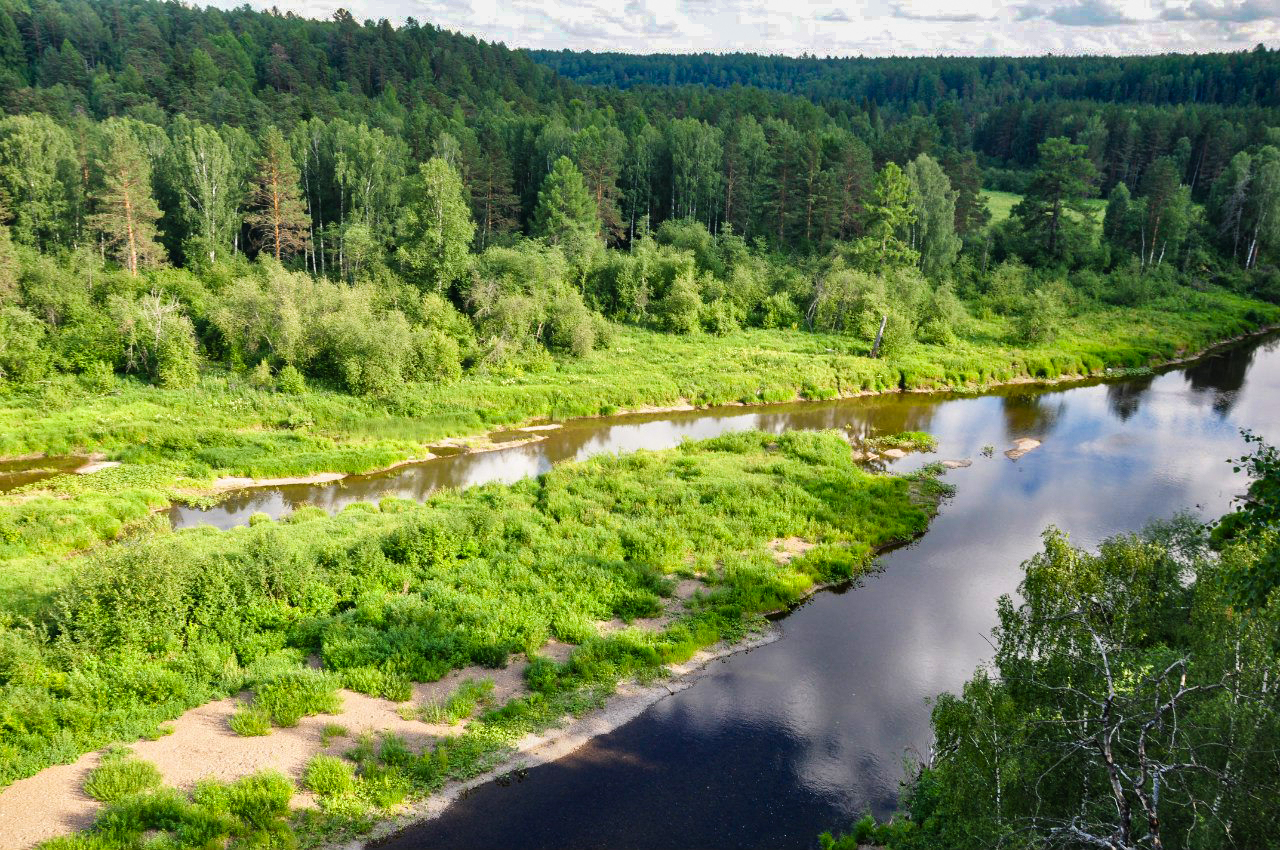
1001	205
385	595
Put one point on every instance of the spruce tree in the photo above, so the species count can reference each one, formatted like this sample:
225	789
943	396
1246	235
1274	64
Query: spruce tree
565	207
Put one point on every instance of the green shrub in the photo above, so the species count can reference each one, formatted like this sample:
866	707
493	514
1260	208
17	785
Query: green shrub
290	380
116	778
249	722
329	776
291	696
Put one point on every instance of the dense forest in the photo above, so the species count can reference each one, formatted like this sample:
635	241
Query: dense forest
240	243
407	168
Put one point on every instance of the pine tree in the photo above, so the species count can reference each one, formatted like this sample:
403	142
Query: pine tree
565	207
125	211
598	152
494	204
1063	179
888	218
279	219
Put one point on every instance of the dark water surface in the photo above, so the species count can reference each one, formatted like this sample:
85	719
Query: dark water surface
804	734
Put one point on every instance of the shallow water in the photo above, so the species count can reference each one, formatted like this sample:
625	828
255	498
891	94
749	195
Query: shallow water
16	473
1019	409
805	734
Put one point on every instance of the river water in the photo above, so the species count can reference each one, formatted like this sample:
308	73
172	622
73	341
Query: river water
807	733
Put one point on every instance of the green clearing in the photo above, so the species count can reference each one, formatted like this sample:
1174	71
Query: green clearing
142	631
1001	205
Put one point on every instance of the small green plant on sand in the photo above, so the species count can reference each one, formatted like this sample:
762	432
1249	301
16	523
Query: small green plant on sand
461	704
330	776
119	776
249	721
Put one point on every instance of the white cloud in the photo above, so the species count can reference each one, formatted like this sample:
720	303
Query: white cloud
837	27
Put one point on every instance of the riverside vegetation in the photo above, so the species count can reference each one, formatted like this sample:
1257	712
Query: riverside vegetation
249	244
402	592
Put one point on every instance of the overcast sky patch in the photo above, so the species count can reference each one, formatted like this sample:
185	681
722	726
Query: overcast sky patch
792	27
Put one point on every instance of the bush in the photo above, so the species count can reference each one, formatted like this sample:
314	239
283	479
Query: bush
250	722
679	310
779	311
261	378
117	778
290	380
329	776
98	377
296	694
1039	318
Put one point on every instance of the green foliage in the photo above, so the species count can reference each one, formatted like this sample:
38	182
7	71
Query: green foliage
118	777
460	580
292	695
911	441
436	227
1074	721
251	812
329	776
1040	317
934	202
565	212
1256	523
1063	179
250	722
461	704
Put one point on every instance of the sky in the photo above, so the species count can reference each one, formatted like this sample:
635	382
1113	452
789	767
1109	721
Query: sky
856	27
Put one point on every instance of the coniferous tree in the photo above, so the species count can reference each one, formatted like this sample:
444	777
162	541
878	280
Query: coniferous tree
125	211
966	178
746	158
565	207
278	217
1063	180
888	218
598	153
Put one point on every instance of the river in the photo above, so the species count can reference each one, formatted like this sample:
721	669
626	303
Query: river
807	733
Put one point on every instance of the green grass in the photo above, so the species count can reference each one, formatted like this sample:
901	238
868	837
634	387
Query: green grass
250	722
251	812
295	694
911	441
472	577
461	704
329	776
1001	205
118	777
